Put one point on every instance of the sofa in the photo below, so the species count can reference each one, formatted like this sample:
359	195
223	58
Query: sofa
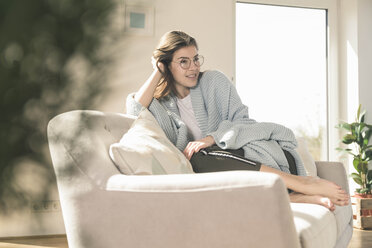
103	207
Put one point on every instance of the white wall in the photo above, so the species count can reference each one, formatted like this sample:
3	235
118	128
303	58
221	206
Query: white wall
348	51
356	56
365	55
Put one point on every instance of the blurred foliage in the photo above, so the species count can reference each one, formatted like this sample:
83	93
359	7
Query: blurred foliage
52	60
314	142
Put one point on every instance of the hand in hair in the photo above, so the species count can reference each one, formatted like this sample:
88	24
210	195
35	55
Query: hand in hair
160	65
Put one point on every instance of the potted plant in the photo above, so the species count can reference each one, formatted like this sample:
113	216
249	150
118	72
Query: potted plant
359	134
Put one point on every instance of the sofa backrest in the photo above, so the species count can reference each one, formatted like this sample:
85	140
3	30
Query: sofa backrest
79	143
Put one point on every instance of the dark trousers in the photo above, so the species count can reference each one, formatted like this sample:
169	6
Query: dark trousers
208	160
291	162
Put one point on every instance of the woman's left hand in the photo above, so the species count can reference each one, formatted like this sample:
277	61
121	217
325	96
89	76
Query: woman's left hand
196	145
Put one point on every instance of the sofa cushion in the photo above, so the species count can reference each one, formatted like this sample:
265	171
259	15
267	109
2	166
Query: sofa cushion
344	216
146	150
315	225
306	157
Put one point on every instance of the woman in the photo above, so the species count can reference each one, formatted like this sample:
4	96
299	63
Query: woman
200	109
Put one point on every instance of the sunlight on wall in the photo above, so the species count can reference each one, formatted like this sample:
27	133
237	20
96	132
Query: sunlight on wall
352	79
352	97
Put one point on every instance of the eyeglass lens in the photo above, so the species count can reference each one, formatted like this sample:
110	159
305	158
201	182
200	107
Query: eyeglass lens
186	62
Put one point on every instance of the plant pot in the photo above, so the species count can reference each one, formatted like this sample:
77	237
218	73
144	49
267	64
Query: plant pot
362	210
362	196
365	212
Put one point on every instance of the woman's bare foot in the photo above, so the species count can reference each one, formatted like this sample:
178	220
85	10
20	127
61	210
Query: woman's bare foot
321	187
312	186
313	199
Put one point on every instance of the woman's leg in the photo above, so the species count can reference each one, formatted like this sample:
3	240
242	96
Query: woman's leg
313	199
311	186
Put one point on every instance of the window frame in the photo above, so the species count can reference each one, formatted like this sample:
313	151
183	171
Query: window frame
332	88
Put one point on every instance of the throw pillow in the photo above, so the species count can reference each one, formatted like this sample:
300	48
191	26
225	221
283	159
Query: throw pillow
146	150
306	157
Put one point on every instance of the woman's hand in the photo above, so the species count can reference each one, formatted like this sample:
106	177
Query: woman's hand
195	146
154	62
146	93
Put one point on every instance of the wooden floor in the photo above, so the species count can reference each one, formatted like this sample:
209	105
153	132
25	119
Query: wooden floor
361	239
58	241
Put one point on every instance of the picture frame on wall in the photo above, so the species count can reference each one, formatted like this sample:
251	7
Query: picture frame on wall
139	20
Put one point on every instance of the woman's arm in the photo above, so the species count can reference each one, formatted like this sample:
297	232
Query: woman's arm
145	94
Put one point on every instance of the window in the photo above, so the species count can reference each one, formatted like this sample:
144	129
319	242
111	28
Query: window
282	69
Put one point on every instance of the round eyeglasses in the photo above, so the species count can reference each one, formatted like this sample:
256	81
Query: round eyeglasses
185	62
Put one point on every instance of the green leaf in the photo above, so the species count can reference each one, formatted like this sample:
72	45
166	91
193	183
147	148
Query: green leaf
368	134
369	177
358	181
345	151
340	149
357	164
364	167
361	119
356	178
344	126
368	154
354	155
355	175
354	129
370	182
367	137
358	190
348	139
361	128
358	112
363	191
360	139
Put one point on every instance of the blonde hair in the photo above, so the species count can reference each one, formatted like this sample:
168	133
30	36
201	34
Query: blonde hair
169	43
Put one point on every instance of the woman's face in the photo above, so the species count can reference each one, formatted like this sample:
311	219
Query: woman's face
184	78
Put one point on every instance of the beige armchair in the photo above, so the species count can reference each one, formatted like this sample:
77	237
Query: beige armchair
103	208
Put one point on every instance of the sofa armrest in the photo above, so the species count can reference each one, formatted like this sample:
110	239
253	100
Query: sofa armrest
333	171
221	209
192	182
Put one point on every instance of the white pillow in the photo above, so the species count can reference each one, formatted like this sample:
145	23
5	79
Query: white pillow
146	150
306	157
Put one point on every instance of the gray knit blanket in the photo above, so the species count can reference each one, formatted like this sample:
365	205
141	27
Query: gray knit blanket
220	113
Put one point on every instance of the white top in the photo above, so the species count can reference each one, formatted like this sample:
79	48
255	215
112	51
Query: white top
188	117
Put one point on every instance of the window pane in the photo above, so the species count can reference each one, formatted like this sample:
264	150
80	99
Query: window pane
281	68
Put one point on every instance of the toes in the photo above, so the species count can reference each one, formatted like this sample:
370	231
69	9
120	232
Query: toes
341	202
326	202
341	192
332	206
338	202
342	195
